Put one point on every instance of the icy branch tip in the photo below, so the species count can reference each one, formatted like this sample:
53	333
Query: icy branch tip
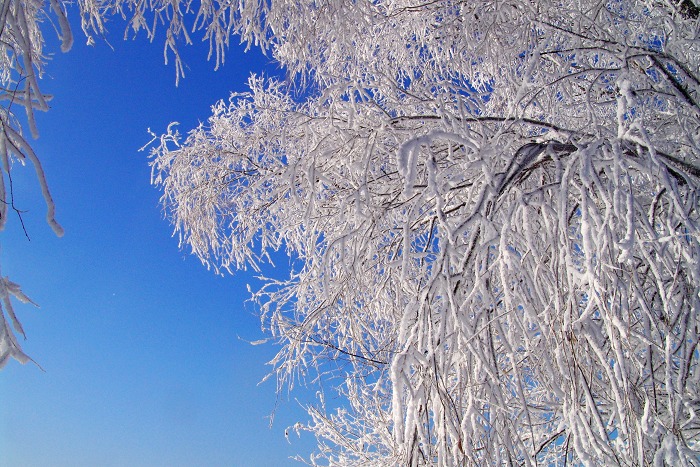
55	226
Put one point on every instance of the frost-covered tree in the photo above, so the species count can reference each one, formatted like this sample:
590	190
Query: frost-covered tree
490	206
491	213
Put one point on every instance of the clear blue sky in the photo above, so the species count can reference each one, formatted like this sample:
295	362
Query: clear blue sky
144	350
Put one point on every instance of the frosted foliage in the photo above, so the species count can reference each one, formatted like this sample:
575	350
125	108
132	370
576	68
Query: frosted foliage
491	214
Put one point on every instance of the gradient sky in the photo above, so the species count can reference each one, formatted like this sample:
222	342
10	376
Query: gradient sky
144	351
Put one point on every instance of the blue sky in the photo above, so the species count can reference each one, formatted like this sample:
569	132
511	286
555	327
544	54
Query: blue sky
144	351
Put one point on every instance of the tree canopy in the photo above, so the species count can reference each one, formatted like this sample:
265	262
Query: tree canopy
491	210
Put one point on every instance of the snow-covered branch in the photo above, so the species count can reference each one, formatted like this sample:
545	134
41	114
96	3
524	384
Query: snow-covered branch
497	199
